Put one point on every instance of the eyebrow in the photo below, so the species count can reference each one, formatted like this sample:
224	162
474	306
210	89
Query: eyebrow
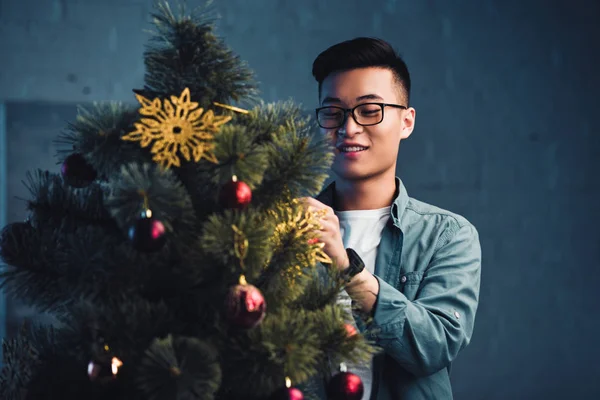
360	98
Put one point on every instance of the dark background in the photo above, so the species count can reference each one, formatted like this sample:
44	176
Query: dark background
506	94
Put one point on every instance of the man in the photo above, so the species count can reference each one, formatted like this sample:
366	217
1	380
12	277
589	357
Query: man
422	265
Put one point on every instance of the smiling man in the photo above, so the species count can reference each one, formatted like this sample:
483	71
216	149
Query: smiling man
414	269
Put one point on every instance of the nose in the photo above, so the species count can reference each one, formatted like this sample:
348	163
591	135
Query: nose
350	126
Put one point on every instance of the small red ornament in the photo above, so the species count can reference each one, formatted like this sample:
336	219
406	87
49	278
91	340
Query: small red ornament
246	306
287	394
350	330
313	241
235	194
147	234
77	172
104	369
345	386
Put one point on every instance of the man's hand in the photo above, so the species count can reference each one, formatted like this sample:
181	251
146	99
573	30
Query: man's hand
329	234
364	287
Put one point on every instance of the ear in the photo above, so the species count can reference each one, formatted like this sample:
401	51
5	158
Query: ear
408	122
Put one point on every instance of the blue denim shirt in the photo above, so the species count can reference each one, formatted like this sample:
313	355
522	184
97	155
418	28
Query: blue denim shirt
429	268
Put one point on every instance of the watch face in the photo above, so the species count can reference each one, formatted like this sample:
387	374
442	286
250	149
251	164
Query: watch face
356	263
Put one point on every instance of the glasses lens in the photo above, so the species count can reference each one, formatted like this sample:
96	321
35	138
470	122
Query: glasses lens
368	114
330	117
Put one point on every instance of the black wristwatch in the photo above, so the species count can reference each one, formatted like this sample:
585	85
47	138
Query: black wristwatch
356	264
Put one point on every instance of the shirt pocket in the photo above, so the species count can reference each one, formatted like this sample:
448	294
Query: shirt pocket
410	283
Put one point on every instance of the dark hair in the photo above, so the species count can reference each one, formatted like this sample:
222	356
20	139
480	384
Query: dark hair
361	52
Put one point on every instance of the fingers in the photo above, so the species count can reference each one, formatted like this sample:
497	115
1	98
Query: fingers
328	221
329	225
316	204
328	233
321	211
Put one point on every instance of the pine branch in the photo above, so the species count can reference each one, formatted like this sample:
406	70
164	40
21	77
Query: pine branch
292	342
179	368
128	324
267	119
54	203
238	155
294	258
223	239
88	270
242	148
56	266
18	358
320	298
27	360
37	290
60	252
31	274
185	52
285	344
284	279
15	241
61	377
96	134
337	346
323	288
165	195
299	164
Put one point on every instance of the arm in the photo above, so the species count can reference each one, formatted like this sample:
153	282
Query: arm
425	335
364	290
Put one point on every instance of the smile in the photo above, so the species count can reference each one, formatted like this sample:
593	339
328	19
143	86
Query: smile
352	149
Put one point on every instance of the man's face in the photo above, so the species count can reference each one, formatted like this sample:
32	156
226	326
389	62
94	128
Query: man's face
377	144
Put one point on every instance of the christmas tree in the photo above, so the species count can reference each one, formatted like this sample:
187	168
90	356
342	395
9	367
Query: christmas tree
173	248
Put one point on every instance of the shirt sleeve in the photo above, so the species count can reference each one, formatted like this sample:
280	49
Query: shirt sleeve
425	335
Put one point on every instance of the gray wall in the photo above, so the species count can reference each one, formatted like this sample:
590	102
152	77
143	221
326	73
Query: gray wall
505	93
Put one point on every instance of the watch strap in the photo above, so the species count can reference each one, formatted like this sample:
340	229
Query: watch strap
356	266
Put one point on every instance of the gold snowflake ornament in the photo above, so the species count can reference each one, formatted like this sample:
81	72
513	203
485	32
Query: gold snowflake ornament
177	128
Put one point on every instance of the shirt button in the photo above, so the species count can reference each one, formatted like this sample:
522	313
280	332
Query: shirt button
403	279
457	314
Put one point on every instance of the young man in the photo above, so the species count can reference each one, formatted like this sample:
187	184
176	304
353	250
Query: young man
415	268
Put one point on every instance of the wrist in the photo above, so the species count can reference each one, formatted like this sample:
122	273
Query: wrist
354	264
344	264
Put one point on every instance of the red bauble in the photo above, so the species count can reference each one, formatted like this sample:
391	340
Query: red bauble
235	194
77	172
104	369
147	234
287	394
246	306
350	330
345	386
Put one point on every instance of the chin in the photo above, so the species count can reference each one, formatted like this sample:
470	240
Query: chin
353	174
350	175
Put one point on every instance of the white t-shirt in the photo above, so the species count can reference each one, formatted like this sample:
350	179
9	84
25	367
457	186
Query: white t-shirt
361	231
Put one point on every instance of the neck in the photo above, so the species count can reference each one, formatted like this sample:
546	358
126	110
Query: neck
369	194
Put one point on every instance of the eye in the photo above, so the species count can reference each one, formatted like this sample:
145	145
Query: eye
330	113
368	110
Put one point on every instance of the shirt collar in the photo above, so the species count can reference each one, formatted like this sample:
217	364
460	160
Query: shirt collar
398	205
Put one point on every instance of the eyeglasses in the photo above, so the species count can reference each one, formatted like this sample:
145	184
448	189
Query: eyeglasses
366	114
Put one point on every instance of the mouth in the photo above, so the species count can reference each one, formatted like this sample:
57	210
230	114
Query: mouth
351	149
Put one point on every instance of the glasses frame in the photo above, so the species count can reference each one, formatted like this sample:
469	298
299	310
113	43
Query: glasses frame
351	111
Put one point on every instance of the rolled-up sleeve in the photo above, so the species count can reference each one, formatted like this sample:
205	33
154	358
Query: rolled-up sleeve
425	335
